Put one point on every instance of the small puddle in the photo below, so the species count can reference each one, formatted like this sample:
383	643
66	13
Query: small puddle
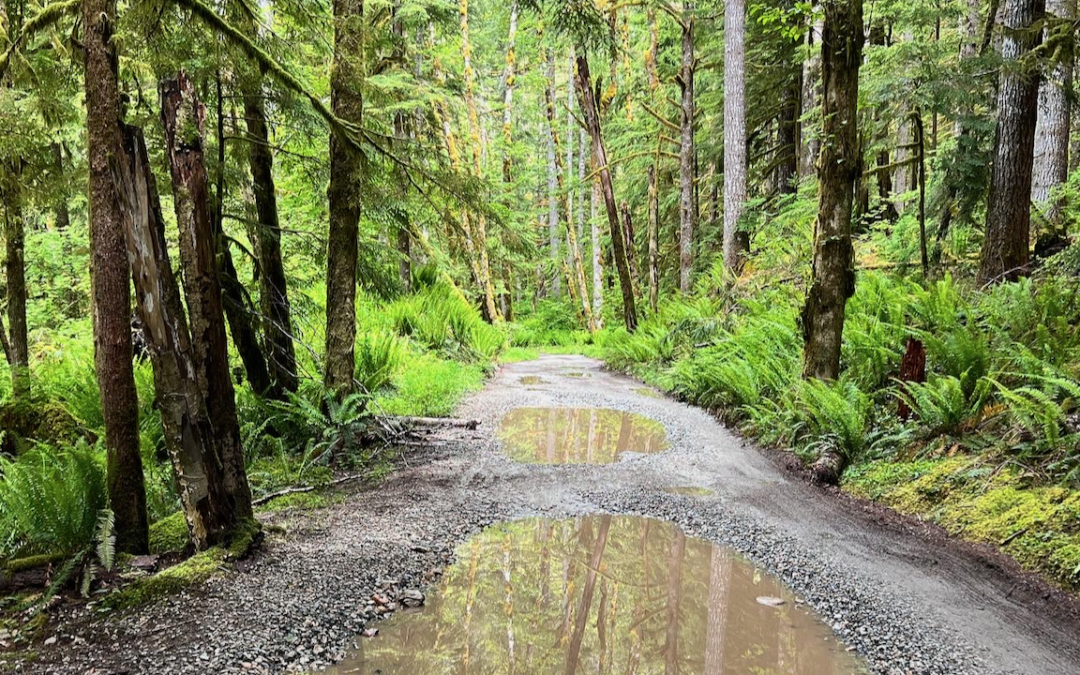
531	379
578	435
605	595
688	491
648	391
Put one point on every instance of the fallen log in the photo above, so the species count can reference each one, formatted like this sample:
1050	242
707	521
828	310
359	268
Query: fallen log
296	489
436	422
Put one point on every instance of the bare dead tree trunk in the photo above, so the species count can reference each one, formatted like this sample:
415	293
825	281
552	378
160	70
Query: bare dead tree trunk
110	280
833	279
734	129
184	118
346	169
587	98
1053	127
686	150
597	256
1006	253
184	419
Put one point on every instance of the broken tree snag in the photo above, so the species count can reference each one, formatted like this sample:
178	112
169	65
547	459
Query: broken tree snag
912	369
184	119
183	419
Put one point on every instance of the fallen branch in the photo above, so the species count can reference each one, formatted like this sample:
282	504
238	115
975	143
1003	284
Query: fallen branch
296	489
452	422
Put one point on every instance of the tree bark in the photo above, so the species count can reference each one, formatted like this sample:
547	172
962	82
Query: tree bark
787	164
273	290
184	419
686	150
110	281
654	246
587	98
631	249
734	129
811	95
184	118
833	280
576	285
344	196
1053	127
597	256
509	79
479	235
552	180
11	194
1005	253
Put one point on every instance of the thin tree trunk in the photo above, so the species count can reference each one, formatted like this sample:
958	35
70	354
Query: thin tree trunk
833	279
589	108
1005	253
787	164
273	291
552	182
15	266
1053	127
187	429
686	150
809	129
346	169
509	79
597	256
654	246
631	249
734	129
110	280
183	116
479	235
576	285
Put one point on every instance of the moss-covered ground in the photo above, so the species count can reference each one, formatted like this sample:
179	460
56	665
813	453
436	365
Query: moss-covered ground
1039	526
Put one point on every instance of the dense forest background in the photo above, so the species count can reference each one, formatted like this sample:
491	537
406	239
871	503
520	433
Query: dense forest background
243	238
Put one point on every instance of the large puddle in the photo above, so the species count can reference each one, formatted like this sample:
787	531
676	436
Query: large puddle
578	435
606	595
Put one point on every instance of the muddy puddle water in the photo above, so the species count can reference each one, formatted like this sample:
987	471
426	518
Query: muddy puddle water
578	435
604	595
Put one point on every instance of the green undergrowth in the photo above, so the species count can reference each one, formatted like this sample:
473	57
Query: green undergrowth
1037	525
195	570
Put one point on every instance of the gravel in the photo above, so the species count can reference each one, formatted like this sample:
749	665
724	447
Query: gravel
909	603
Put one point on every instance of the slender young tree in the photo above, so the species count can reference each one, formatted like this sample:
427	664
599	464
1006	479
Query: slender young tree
1006	248
810	142
273	290
552	182
734	130
833	280
344	193
16	339
110	279
687	66
591	111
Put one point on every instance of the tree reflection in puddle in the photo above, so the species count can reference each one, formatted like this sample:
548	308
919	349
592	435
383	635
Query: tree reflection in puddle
578	435
606	595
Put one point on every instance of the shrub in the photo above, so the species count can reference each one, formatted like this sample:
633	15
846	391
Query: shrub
50	500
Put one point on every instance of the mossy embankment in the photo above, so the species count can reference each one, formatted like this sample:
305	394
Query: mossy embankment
1039	526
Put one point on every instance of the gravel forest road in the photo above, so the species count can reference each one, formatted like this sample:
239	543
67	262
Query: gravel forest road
910	600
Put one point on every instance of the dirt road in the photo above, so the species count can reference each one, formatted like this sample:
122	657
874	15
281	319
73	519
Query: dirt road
907	598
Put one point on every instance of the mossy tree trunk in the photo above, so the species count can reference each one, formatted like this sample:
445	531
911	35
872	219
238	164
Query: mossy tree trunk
110	280
346	172
833	279
587	99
